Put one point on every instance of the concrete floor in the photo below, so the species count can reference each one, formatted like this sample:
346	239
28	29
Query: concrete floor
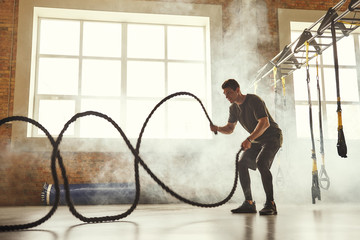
303	222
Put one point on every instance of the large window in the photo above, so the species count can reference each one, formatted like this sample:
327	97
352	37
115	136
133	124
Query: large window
122	69
348	49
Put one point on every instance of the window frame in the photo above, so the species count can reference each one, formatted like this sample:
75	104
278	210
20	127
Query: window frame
124	96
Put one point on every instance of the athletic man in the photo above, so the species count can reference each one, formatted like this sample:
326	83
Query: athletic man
260	147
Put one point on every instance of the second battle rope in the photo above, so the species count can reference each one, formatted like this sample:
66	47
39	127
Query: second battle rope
137	160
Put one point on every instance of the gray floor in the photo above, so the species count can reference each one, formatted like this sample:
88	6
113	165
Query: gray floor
303	222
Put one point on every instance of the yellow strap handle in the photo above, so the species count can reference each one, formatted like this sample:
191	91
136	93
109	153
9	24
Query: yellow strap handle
339	118
317	66
314	160
283	85
345	22
307	53
275	74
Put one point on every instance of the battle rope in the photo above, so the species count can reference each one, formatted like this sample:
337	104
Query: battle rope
315	189
341	144
324	178
135	151
53	172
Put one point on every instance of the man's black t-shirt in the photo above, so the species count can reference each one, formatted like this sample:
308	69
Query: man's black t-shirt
248	113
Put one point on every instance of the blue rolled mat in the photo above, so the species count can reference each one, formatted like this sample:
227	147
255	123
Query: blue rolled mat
91	193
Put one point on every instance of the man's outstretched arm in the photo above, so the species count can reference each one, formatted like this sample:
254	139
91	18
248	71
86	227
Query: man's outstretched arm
227	129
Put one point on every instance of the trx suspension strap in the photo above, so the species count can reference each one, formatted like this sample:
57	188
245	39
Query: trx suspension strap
279	175
341	144
324	178
315	189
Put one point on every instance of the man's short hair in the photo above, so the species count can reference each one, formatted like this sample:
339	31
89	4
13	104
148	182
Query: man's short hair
230	83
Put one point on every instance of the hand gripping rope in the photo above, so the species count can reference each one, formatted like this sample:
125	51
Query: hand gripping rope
137	159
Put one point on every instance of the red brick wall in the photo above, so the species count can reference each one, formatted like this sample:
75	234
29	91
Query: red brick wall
8	25
23	174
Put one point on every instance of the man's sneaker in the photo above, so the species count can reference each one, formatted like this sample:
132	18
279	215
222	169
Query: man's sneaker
246	207
269	209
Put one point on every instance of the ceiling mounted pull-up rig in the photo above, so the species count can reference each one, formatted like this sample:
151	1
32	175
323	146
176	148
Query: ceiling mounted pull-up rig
306	36
330	16
291	57
291	64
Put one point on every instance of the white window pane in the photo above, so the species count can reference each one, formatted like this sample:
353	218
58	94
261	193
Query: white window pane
332	117
186	119
188	77
350	118
186	43
300	84
58	76
295	35
145	79
303	122
102	39
101	77
53	114
349	90
146	41
59	37
345	51
137	112
96	127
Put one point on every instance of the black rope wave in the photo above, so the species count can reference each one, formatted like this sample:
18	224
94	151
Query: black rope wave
137	159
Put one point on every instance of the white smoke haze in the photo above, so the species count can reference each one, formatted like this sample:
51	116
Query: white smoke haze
24	173
241	60
203	170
